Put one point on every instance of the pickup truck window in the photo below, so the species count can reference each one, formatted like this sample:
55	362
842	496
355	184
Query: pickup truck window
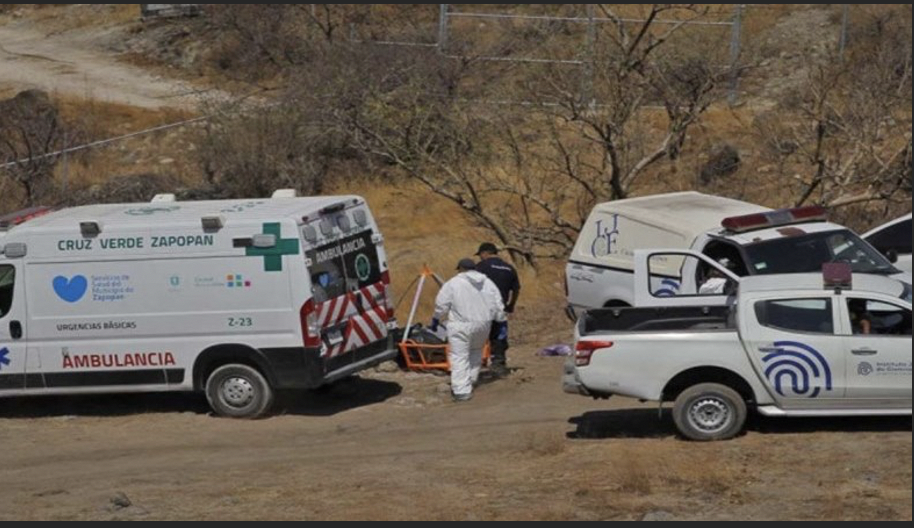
807	253
896	237
878	318
7	279
811	316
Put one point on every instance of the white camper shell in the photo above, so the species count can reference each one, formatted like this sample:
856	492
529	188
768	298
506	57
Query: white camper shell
752	239
236	298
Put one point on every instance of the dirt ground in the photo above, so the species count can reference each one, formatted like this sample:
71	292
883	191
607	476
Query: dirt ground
391	445
72	64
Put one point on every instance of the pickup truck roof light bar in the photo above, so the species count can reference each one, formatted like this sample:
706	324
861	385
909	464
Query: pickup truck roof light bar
781	217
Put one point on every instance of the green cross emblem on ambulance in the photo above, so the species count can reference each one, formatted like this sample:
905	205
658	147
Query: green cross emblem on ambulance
272	257
362	267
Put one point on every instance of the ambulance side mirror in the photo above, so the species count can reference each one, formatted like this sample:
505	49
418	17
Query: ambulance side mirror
263	241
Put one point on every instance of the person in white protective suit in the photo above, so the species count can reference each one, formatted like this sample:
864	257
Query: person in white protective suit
471	302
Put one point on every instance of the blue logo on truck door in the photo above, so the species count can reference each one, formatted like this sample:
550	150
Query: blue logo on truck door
70	290
799	368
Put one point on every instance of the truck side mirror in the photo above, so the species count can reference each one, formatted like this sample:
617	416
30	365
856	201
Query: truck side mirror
892	255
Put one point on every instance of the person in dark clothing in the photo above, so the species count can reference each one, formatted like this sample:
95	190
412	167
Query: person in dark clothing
505	278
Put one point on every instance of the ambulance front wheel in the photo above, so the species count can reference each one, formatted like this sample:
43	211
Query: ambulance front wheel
238	391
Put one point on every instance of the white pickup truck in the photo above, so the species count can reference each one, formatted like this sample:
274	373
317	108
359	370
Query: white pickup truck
755	241
788	345
894	241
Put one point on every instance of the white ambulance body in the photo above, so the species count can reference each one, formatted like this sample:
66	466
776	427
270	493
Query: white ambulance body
235	298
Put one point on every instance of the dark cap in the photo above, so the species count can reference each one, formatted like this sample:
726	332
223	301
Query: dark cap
466	265
487	247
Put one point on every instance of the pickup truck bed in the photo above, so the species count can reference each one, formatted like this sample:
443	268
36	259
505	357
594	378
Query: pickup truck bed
691	318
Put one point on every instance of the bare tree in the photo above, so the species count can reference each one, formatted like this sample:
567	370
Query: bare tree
30	134
846	133
529	174
254	150
637	77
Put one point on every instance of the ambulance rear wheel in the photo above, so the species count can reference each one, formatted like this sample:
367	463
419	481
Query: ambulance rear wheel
239	391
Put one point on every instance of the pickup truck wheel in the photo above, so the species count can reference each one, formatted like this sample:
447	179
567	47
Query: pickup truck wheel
708	412
238	391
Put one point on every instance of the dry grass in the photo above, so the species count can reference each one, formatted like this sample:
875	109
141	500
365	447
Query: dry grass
544	445
90	120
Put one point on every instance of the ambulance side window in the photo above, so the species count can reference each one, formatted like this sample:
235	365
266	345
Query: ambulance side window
7	280
328	281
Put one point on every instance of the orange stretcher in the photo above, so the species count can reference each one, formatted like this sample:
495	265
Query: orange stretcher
421	356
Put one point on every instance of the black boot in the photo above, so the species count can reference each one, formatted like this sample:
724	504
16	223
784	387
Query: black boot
499	361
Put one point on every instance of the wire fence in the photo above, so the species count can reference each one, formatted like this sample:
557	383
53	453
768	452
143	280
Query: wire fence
447	25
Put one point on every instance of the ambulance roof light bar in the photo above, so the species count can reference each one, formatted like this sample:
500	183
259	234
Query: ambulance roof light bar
11	220
781	217
164	198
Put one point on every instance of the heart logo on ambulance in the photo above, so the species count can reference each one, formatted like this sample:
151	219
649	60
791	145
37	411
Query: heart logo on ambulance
70	290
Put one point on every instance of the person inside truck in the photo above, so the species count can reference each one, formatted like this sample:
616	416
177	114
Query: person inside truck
719	250
715	282
861	320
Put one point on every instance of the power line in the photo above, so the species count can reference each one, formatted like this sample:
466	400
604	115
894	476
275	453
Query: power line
107	141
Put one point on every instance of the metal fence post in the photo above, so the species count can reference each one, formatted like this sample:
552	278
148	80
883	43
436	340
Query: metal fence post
842	40
66	165
442	27
735	37
590	59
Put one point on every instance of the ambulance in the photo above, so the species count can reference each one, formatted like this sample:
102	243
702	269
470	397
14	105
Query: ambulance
237	299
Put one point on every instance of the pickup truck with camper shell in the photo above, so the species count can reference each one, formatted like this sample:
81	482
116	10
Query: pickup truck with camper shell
234	298
800	345
751	239
894	240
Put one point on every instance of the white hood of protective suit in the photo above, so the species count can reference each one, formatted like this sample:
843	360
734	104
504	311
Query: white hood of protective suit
470	297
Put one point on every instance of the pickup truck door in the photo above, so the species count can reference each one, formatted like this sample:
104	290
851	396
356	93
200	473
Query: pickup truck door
878	351
795	350
656	268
